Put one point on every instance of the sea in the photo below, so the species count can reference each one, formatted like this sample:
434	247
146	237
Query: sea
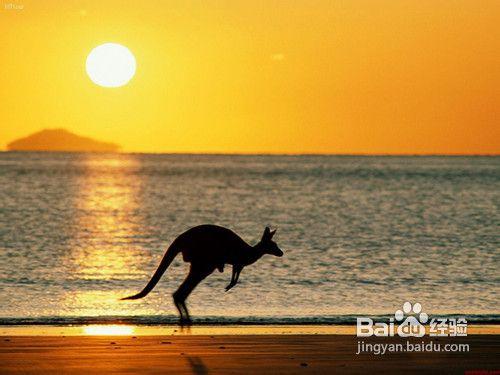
361	236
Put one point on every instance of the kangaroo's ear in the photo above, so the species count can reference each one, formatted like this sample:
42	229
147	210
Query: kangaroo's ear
266	234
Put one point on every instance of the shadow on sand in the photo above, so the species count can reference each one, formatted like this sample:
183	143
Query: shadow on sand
197	365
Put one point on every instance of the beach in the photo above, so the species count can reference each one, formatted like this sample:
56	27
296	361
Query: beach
235	354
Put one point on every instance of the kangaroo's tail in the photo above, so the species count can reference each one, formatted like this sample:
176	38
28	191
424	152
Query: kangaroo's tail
169	256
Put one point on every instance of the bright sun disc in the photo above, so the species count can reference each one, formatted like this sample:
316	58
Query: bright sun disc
110	65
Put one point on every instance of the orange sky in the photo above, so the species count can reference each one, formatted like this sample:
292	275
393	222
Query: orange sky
358	76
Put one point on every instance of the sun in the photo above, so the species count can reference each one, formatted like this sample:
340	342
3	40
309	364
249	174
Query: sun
110	65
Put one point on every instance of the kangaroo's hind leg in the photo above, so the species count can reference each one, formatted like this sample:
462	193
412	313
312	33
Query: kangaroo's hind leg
195	276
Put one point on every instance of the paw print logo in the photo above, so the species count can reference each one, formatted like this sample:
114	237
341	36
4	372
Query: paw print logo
411	320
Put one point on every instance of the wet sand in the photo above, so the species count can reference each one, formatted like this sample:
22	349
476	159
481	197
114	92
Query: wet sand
235	354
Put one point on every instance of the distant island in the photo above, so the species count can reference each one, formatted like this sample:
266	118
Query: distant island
60	140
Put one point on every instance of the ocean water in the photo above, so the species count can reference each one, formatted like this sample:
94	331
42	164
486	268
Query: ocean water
361	235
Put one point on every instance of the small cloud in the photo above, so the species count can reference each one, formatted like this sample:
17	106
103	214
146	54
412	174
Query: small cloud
278	57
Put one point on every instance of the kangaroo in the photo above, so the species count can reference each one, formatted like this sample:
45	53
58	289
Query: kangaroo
207	248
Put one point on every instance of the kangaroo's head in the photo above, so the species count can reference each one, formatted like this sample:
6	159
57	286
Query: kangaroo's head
267	245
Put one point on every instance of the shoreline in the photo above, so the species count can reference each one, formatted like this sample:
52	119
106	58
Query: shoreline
236	330
213	320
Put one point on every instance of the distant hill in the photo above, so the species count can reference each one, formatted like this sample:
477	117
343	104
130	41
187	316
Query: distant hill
59	140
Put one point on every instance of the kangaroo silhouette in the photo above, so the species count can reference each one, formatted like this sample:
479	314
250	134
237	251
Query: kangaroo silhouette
207	248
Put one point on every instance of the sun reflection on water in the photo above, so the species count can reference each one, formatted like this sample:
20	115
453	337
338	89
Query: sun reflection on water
111	330
101	303
106	246
107	201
